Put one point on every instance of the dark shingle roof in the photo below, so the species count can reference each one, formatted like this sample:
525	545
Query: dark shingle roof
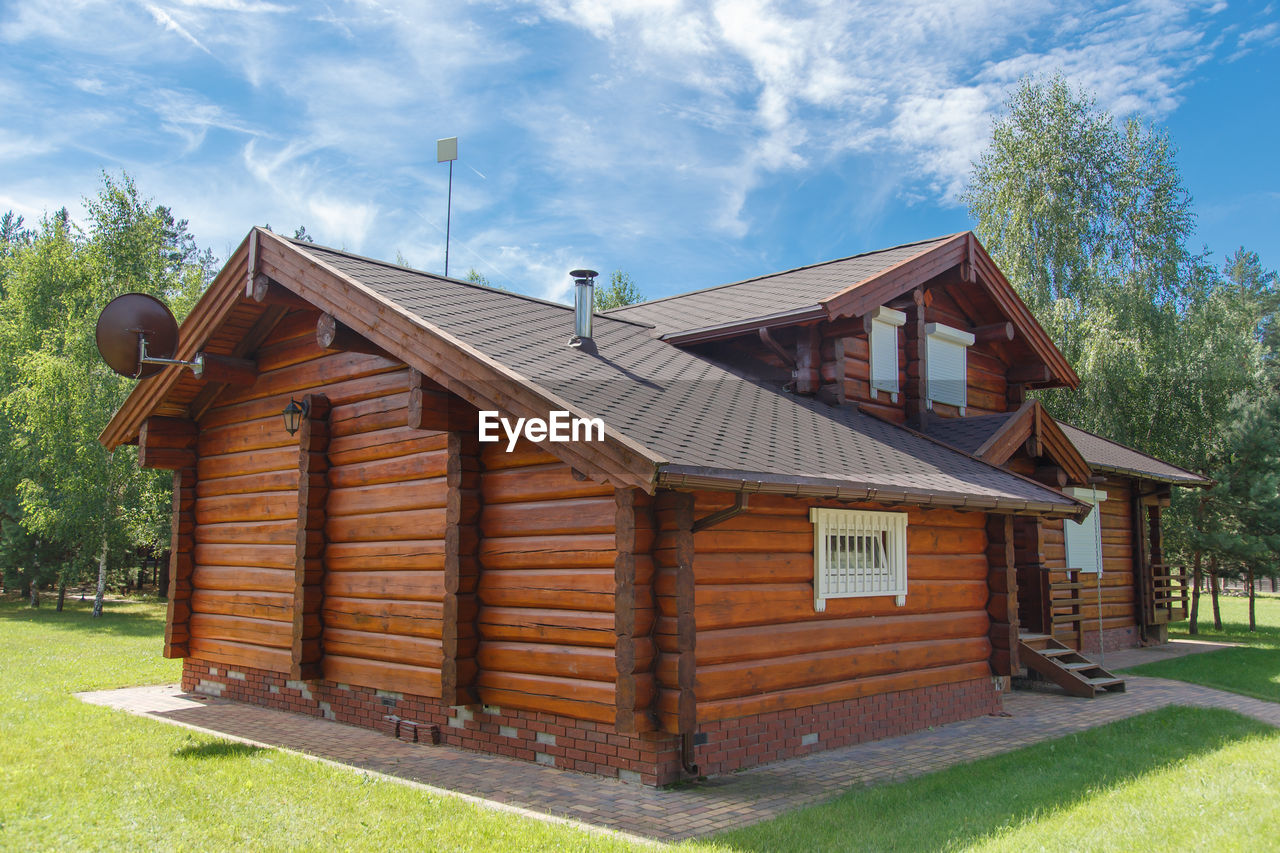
766	296
967	434
1106	455
697	416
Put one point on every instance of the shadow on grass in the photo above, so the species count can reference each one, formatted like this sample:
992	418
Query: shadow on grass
217	749
129	618
962	805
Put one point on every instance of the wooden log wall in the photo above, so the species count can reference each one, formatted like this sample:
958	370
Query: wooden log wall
1119	608
181	562
675	630
548	559
987	365
246	493
761	647
308	573
460	635
634	605
1002	606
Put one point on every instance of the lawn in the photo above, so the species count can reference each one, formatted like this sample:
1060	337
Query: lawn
1253	670
76	776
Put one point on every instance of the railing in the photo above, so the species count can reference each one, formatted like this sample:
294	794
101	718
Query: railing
1063	605
1169	592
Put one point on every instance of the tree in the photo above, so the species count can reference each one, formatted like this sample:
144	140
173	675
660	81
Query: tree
89	506
1090	220
476	277
621	291
1246	536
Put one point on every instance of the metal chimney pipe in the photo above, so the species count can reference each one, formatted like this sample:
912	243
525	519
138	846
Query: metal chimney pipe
584	302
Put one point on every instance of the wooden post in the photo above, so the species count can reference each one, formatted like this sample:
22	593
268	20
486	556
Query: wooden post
459	632
808	360
624	613
1143	580
182	544
1002	602
916	389
686	625
308	570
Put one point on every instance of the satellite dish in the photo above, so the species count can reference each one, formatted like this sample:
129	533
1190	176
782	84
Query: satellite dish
137	335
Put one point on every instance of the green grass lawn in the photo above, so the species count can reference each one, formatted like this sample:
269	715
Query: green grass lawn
76	776
1176	779
1253	670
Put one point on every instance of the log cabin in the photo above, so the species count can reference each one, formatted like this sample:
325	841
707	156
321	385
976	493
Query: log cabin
820	508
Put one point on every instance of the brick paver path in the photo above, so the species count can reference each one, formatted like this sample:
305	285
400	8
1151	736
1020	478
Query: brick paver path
694	810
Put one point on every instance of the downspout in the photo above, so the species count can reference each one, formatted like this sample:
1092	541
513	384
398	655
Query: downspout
688	740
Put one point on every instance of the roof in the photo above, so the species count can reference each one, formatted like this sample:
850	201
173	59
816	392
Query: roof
968	434
778	295
1111	456
1103	455
708	427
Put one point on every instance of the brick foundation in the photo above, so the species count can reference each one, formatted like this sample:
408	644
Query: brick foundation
1115	638
653	759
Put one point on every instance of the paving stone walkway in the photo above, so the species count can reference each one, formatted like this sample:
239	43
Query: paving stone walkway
693	810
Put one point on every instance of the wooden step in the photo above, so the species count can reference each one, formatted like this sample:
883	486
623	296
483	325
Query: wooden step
1066	667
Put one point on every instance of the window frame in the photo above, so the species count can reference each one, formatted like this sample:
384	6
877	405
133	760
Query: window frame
940	340
890	527
888	321
1090	527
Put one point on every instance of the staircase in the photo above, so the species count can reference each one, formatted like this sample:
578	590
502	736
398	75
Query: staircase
1065	667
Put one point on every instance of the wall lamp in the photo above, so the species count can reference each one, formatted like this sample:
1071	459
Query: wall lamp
293	414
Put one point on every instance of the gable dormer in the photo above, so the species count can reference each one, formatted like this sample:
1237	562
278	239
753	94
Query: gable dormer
966	343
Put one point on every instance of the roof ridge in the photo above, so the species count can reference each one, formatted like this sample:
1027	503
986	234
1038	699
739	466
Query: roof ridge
784	272
307	244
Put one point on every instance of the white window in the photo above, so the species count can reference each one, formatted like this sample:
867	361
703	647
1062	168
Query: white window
883	338
1084	540
858	553
947	372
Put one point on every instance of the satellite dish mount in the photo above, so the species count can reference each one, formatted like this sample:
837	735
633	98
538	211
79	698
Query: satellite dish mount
138	336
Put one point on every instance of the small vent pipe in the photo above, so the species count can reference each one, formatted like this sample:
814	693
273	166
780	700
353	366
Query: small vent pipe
584	301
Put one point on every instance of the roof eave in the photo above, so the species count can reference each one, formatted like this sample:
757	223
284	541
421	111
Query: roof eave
1198	483
711	479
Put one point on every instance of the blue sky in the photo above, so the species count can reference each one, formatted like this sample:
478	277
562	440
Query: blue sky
689	144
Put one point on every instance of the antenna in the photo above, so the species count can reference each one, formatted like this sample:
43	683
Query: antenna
137	337
447	149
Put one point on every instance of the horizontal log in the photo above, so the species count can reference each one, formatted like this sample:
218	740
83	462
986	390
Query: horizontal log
399	585
747	678
246	436
383	444
260	506
579	709
567	589
779	640
414	554
802	697
226	370
268	292
239	578
311	375
339	616
342	392
333	335
423	465
388	497
165	459
538	483
575	551
393	648
382	675
542	691
544	625
277	606
266	481
726	606
594	664
385	526
211	467
235	654
577	516
259	632
261	556
249	532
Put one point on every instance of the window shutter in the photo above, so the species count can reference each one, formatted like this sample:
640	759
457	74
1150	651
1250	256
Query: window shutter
858	553
885	323
947	372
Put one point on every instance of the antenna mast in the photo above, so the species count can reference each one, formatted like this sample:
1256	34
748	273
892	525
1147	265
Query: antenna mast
447	149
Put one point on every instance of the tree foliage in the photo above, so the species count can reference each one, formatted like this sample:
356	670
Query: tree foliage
73	504
1090	219
620	291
